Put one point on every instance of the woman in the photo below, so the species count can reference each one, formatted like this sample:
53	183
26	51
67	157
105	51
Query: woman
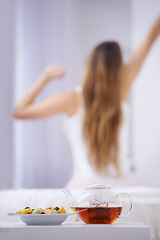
101	106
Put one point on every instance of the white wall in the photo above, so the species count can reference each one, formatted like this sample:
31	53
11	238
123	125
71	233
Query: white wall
146	95
94	22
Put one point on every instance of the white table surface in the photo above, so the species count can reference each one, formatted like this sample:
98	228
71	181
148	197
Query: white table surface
78	231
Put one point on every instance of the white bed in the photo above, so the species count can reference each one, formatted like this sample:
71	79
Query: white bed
146	204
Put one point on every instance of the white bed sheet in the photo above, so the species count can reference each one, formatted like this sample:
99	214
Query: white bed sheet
146	204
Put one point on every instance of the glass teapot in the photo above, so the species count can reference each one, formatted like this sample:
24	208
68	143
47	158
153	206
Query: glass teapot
98	204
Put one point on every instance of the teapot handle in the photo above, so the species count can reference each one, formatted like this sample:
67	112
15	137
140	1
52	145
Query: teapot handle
131	205
69	197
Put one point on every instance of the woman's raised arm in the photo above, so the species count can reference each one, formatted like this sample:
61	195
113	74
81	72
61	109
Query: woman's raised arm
139	55
61	103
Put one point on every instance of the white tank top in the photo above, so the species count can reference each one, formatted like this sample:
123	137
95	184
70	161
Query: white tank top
73	128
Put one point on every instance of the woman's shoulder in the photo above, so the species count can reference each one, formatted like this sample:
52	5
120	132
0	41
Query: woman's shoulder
75	100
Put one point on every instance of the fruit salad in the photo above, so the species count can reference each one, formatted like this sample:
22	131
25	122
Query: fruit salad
50	210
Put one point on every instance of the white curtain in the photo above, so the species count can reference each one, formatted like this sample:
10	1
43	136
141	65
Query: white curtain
7	26
42	154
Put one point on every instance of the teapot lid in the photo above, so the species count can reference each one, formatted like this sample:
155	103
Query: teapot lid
97	186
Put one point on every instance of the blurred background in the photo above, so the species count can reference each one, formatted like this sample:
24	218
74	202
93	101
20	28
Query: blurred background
35	33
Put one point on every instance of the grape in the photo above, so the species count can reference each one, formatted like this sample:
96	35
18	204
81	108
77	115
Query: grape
56	208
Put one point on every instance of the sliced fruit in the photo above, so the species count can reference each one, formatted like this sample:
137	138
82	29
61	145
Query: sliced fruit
62	210
25	211
73	208
19	212
55	212
47	211
37	211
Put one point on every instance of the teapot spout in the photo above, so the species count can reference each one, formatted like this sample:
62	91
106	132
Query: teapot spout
70	199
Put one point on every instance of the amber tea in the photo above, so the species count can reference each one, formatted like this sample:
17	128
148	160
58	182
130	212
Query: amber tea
99	215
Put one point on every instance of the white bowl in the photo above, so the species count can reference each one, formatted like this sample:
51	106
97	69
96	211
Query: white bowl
42	219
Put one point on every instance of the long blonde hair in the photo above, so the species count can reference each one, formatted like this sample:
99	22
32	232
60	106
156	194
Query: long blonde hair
101	94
